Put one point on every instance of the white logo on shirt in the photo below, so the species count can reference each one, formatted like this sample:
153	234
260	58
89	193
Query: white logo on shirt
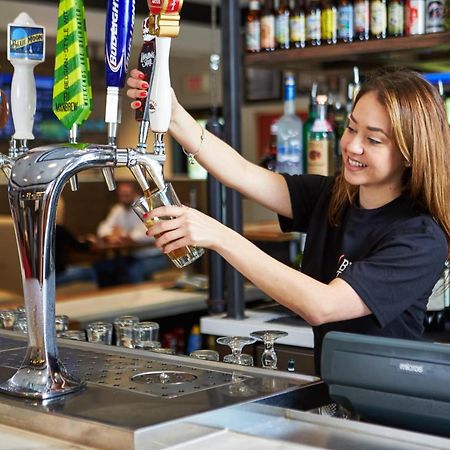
344	263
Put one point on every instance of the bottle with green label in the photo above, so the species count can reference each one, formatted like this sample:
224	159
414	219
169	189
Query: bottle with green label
321	142
395	18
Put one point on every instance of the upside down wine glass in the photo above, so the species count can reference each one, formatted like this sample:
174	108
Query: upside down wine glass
268	337
237	343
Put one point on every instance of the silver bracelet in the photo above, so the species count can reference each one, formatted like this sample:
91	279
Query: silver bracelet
191	156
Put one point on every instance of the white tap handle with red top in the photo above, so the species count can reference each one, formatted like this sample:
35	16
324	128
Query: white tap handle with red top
165	20
160	97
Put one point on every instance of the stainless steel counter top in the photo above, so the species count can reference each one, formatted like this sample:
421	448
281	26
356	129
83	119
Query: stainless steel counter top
115	411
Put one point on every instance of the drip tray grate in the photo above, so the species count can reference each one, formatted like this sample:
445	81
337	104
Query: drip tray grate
138	374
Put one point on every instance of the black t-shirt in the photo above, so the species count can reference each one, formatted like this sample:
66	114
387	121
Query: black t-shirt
392	257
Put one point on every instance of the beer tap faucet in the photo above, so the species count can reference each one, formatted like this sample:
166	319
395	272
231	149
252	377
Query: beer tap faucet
163	23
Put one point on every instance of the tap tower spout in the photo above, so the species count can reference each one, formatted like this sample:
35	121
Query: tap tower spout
36	182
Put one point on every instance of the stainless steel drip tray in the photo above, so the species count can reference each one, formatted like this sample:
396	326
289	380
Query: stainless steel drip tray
129	392
134	371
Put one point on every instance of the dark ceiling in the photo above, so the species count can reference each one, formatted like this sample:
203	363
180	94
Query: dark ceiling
191	12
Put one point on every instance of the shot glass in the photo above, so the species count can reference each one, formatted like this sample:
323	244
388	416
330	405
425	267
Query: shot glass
74	335
181	257
145	335
123	330
21	325
61	324
8	318
99	333
206	355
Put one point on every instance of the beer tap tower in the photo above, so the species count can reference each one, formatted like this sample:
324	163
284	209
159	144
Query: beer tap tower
38	177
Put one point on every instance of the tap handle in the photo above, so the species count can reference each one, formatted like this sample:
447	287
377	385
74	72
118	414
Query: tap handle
108	175
72	91
160	96
146	65
26	49
118	39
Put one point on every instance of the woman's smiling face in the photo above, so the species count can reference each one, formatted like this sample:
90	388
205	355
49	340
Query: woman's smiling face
370	158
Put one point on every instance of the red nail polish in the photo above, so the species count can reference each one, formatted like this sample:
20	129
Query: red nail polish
137	104
144	85
141	76
143	94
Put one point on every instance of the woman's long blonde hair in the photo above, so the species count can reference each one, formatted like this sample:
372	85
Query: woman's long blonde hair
421	132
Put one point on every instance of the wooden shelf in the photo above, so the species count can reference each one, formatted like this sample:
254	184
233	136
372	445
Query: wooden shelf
415	50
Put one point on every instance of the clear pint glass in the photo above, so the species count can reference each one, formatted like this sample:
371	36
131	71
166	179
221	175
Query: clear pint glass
181	257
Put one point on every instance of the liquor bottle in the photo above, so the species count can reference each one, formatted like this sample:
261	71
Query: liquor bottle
268	27
378	19
434	16
321	142
414	17
340	122
146	62
290	133
396	18
312	115
329	22
269	161
297	24
283	13
362	19
346	29
253	28
313	23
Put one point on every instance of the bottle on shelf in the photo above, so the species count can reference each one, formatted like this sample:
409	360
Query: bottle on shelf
414	17
362	19
329	22
282	36
253	28
313	23
346	17
321	141
340	121
434	16
268	26
312	115
378	19
297	24
396	15
290	133
269	160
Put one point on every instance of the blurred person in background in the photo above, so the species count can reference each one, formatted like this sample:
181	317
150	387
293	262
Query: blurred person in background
66	244
122	227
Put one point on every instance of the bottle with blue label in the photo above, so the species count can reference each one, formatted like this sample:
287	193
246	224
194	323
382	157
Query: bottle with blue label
290	133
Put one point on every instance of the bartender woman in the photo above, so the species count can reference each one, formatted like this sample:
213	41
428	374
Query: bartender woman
377	233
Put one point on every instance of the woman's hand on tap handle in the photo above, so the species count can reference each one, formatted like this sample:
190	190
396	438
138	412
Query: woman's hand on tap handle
138	89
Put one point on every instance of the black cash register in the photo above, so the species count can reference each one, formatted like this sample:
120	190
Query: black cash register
394	382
